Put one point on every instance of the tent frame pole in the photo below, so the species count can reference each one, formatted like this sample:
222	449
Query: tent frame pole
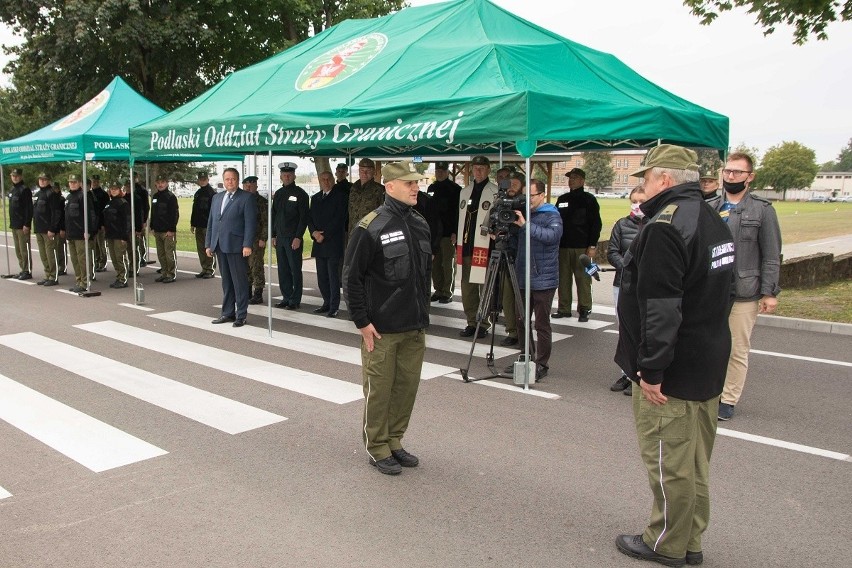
269	251
132	241
86	228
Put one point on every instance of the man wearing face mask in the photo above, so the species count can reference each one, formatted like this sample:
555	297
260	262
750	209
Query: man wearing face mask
757	241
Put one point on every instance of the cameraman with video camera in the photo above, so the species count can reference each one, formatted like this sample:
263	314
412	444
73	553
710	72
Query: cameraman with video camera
517	184
545	229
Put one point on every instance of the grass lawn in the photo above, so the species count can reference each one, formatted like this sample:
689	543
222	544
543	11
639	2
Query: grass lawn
832	302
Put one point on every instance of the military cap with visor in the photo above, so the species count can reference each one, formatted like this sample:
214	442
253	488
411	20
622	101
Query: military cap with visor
669	156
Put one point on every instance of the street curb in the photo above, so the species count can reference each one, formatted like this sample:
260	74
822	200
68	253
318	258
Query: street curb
805	325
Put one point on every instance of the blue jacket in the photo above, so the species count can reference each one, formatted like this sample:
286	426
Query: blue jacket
545	226
231	230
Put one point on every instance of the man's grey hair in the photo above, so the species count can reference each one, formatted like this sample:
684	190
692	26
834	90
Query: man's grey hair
678	176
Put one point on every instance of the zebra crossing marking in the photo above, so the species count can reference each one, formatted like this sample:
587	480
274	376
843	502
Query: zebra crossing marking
296	380
310	346
205	407
93	444
432	341
135	307
508	387
4	493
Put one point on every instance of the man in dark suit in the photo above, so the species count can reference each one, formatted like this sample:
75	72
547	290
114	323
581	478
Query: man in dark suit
327	224
230	234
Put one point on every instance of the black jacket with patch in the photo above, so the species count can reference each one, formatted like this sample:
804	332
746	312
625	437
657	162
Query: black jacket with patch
676	295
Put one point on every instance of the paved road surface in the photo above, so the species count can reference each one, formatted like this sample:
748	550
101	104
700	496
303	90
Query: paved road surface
144	436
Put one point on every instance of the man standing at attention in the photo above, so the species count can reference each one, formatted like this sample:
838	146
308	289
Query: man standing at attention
757	238
201	203
230	235
365	194
99	246
674	341
446	194
49	210
257	278
327	224
386	277
290	206
164	220
581	220
472	248
20	221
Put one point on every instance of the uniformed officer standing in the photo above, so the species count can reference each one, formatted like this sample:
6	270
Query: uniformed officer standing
446	194
61	242
75	230
20	221
341	184
386	282
676	294
141	198
474	211
198	223
257	278
581	221
49	210
99	248
365	194
117	231
164	219
290	208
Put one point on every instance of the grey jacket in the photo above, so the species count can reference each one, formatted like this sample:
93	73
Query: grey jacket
757	241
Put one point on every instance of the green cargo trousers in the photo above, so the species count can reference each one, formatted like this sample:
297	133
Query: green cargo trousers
676	440
47	252
22	248
77	252
205	261
166	253
391	374
570	270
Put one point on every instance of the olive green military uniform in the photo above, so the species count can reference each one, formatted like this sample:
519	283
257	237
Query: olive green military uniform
257	278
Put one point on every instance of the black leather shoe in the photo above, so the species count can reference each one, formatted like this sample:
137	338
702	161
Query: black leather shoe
121	285
159	279
168	280
208	276
25	276
224	319
622	383
444	300
388	466
540	373
41	282
584	315
62	273
559	315
240	322
293	306
482	333
633	546
509	341
435	297
694	558
468	331
282	305
332	314
321	310
404	458
50	283
200	275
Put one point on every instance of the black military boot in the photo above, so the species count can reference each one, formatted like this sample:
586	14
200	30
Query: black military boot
257	296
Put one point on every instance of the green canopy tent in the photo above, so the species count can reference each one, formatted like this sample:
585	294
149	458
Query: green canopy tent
97	131
454	78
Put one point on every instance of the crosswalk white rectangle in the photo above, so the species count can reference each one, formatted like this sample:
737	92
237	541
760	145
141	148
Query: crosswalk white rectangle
432	341
86	440
296	380
207	408
307	345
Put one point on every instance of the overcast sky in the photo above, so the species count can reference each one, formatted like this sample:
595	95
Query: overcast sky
772	90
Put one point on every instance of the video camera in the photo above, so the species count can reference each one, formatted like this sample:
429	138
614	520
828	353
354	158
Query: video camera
503	215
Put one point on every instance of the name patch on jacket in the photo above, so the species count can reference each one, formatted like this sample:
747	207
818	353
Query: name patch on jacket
721	256
389	238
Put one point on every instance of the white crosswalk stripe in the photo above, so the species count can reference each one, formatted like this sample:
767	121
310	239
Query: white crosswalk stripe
86	440
207	408
4	493
301	344
432	341
296	380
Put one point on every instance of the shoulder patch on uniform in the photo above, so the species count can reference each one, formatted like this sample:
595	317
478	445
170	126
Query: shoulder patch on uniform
665	216
368	218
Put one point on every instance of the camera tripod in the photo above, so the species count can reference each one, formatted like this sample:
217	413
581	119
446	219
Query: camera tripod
489	305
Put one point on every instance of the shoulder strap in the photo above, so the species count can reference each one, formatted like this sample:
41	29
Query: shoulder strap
368	218
665	216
